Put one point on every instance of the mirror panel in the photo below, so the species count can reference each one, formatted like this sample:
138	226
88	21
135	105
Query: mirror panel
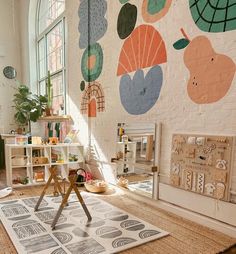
135	150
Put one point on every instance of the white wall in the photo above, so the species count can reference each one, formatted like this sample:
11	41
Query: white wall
174	109
9	55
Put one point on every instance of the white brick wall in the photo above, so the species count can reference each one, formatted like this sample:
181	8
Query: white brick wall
174	109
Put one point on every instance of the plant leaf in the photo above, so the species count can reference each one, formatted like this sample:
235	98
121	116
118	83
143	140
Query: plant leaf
180	44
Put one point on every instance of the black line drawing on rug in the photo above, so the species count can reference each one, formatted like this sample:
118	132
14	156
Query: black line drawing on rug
9	202
85	247
119	242
14	210
77	213
132	225
108	232
94	223
102	208
31	202
27	228
112	214
48	216
23	217
59	251
40	209
120	218
80	233
63	226
68	208
63	237
148	233
38	243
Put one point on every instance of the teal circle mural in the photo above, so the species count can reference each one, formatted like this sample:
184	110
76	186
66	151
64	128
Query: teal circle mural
92	62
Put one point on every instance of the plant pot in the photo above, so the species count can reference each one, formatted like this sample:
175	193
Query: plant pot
48	111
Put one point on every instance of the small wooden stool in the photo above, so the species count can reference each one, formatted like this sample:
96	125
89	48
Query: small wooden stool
73	186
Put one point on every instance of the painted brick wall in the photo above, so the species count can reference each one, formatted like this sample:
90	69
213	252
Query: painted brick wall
174	108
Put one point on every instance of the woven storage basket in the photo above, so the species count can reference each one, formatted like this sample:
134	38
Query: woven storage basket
96	186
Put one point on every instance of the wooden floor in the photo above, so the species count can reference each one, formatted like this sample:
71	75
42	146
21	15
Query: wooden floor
185	236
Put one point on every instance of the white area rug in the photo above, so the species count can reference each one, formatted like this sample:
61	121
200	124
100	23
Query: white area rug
110	231
145	186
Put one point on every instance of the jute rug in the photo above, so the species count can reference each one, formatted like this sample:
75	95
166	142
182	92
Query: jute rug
110	231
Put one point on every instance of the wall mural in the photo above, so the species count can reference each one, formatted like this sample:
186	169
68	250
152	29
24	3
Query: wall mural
92	27
93	99
214	16
123	1
92	23
92	61
211	74
126	20
140	94
153	10
143	48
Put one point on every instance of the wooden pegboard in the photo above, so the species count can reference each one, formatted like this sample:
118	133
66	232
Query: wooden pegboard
202	164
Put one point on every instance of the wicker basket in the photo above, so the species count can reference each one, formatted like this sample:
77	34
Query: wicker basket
39	160
96	186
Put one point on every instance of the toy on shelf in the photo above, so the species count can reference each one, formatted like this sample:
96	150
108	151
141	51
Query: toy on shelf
39	176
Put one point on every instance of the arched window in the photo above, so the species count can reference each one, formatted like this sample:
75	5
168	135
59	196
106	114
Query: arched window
50	27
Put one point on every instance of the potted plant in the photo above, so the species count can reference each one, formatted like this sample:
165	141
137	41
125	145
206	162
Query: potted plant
49	95
28	107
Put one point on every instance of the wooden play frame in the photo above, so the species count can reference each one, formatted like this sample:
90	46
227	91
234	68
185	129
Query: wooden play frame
73	186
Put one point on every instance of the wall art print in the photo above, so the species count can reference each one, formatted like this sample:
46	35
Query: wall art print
92	62
126	20
211	73
138	95
93	100
153	10
92	22
109	232
214	16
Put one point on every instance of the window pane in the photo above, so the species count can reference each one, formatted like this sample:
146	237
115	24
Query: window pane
58	94
41	58
55	49
42	88
49	10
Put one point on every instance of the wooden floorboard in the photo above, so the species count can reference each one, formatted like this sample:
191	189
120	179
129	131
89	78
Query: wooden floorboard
185	236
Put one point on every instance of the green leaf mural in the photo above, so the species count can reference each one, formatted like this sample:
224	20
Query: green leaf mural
180	44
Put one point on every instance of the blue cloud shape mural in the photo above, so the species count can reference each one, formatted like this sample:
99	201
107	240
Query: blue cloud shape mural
91	20
140	94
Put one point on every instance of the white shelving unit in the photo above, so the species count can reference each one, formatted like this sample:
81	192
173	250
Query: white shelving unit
64	156
128	152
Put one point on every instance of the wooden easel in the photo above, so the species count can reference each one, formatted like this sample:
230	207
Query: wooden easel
73	186
65	196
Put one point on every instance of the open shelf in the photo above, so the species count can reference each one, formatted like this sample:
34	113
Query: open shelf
52	153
